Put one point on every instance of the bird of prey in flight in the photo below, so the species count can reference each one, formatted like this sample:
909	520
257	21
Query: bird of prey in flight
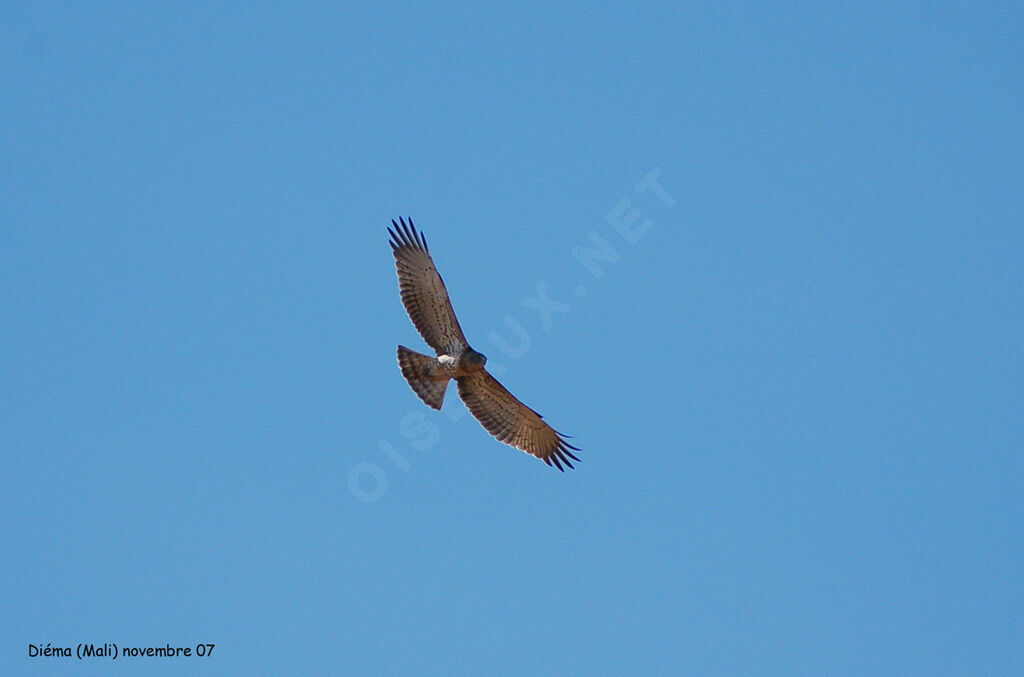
426	300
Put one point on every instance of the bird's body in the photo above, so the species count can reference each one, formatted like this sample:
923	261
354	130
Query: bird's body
429	376
426	300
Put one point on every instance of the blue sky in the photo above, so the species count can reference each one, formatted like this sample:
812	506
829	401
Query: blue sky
796	377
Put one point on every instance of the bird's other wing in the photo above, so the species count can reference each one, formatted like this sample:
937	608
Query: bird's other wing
511	421
423	292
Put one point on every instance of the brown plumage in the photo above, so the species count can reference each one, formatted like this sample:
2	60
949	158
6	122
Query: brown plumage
426	300
423	292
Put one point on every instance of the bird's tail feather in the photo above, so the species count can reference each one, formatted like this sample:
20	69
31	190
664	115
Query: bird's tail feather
419	369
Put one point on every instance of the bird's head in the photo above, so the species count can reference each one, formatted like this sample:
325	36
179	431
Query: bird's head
475	359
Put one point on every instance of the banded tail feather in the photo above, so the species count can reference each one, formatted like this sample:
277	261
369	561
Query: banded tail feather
419	370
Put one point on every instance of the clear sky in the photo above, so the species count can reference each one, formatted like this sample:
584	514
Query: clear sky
762	261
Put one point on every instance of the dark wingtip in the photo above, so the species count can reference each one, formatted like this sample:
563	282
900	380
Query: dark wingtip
562	451
406	235
564	446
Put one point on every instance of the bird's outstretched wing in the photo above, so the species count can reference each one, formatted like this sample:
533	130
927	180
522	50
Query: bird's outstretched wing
511	421
423	292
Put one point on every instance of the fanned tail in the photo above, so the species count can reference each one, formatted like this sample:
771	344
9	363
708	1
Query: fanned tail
418	369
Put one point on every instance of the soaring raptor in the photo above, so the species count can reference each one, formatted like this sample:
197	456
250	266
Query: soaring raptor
426	300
